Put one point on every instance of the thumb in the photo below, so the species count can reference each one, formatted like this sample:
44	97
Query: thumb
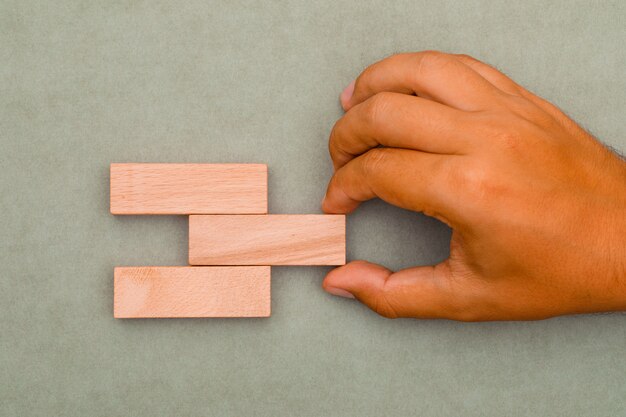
420	292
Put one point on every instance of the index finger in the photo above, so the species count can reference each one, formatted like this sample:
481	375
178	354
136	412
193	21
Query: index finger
409	179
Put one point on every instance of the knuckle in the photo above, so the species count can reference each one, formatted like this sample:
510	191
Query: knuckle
373	159
433	60
363	80
521	109
459	303
377	107
432	54
399	58
466	296
369	77
506	130
470	60
474	181
510	139
465	57
335	137
332	139
337	154
384	308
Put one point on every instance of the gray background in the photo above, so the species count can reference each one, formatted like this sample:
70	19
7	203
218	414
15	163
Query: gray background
83	84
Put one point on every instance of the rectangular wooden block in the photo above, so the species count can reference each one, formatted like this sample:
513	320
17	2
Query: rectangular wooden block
188	188
162	291
271	239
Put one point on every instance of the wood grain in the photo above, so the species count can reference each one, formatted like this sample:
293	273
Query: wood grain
158	291
272	239
188	188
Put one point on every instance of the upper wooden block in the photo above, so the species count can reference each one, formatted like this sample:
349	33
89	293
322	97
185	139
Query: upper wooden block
188	188
271	239
158	291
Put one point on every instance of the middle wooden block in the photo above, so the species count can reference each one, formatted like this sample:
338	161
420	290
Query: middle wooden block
267	239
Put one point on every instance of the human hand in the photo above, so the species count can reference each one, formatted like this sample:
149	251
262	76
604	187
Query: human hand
536	204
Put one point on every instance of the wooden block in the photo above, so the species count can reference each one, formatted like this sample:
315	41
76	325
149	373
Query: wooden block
271	239
188	188
161	291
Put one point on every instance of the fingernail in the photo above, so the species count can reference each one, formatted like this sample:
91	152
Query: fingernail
346	94
339	292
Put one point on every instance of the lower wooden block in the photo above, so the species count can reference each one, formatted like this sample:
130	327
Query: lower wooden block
168	292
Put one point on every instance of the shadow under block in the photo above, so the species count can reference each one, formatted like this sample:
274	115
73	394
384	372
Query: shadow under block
188	189
170	292
271	239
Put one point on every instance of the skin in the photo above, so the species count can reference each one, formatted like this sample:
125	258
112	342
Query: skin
537	205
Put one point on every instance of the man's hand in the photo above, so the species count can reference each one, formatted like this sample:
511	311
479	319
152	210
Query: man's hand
536	204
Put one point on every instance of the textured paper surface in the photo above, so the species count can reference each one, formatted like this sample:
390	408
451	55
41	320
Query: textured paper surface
84	84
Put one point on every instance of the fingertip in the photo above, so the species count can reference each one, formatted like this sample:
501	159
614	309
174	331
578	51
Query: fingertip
356	278
336	201
346	95
338	292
